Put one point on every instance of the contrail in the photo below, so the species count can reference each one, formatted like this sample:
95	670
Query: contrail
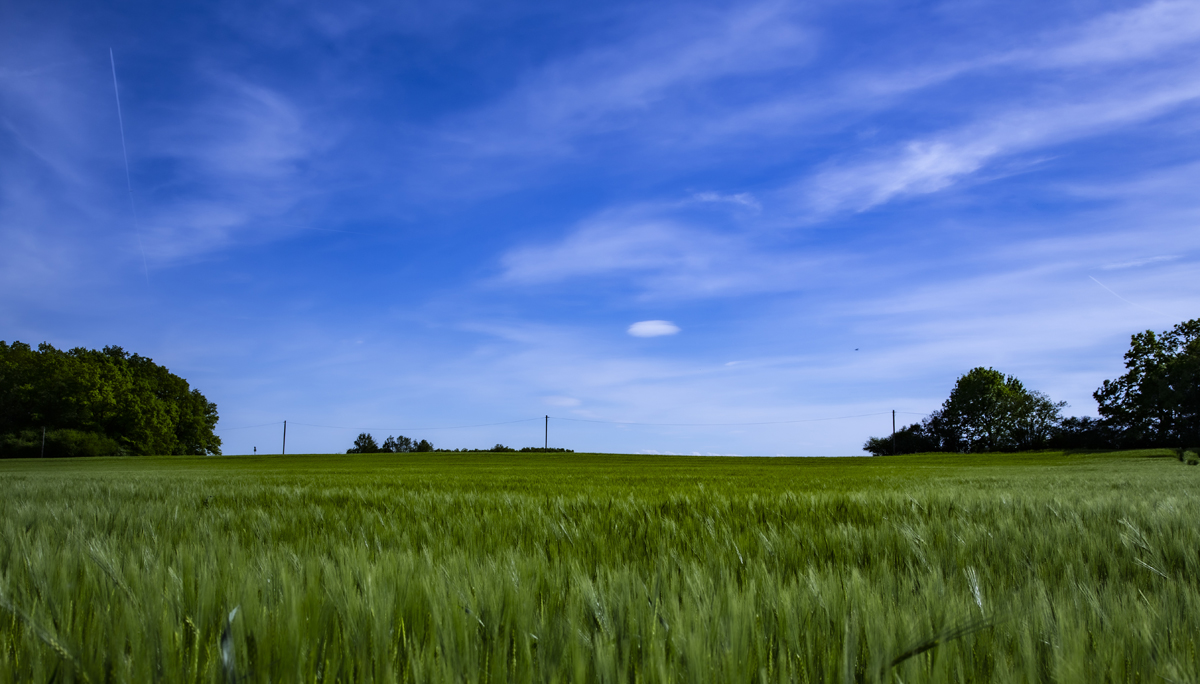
1126	300
128	179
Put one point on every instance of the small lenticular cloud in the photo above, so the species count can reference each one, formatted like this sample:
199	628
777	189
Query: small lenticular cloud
562	401
653	328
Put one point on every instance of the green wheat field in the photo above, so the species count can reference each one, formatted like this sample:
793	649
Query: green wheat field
1044	567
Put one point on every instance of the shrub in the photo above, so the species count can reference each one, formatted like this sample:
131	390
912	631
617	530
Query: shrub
59	444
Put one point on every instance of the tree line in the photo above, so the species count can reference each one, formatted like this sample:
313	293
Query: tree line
1156	403
84	402
366	444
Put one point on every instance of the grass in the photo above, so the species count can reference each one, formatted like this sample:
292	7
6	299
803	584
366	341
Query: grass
601	568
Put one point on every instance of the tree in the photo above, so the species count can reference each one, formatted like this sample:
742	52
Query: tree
364	444
1157	401
1083	433
986	411
913	439
423	446
99	402
397	445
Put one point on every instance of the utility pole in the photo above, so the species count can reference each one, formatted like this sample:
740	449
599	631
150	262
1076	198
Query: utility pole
43	441
547	432
893	432
285	438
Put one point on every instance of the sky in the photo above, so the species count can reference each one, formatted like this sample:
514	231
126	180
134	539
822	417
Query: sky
748	228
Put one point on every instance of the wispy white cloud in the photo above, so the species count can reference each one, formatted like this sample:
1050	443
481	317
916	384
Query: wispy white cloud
664	256
647	92
211	169
352	23
743	199
564	402
623	84
1123	36
934	163
60	190
1084	107
1136	263
241	131
243	151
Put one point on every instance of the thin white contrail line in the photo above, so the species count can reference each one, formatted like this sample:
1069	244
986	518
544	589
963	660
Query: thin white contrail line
128	179
1126	300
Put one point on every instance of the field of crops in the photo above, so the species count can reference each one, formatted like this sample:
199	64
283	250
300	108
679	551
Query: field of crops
594	568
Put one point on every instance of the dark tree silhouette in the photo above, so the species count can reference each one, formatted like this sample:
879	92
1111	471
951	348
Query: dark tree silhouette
364	444
93	403
1157	401
986	411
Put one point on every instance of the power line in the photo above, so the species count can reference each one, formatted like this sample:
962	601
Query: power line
773	422
247	427
416	429
576	420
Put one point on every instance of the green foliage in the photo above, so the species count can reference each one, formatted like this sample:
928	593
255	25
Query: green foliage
986	411
58	444
912	439
364	444
489	568
116	396
1157	401
1083	433
397	445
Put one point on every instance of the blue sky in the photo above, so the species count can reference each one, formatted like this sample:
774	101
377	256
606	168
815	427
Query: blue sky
400	217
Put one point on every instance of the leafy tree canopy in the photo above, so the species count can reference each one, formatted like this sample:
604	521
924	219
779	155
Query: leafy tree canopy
97	403
986	411
1157	401
364	444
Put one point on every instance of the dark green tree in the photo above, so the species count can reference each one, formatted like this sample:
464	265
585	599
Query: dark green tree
399	445
1157	401
1083	433
912	439
986	411
130	404
364	444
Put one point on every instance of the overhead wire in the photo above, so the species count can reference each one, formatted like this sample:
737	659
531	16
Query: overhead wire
247	427
414	429
772	422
